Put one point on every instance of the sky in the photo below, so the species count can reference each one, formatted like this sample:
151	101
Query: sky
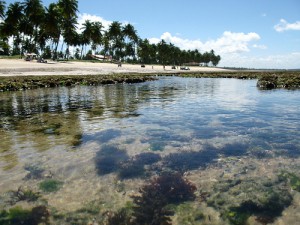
245	33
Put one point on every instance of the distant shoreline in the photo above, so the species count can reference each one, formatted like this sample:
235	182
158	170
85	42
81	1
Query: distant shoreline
19	67
18	74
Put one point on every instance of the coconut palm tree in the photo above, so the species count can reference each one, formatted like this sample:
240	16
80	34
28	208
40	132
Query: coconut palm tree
35	14
68	10
97	36
131	39
11	25
86	36
2	9
52	25
116	39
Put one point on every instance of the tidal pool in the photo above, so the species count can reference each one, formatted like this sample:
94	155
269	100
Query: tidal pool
83	153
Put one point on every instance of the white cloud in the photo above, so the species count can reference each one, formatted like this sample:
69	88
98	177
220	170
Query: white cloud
283	25
229	42
234	49
263	47
83	17
280	61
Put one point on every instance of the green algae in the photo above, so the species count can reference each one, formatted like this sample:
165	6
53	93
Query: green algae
50	185
292	179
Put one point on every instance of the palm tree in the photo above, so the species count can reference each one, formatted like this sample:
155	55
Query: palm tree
34	13
11	25
68	10
131	39
86	35
52	25
97	36
2	9
116	39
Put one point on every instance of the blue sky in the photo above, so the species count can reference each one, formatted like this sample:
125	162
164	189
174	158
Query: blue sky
246	33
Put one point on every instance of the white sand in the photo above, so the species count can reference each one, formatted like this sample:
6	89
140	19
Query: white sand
19	67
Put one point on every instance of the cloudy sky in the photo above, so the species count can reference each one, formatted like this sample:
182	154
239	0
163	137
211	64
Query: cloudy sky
246	33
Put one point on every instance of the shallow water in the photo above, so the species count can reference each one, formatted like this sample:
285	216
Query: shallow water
212	130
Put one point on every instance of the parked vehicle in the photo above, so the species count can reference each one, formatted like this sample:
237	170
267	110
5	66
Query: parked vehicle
185	68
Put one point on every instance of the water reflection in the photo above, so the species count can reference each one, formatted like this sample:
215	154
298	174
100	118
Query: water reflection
96	138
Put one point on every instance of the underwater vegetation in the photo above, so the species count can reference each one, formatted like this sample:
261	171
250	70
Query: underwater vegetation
24	194
35	171
121	217
135	166
185	161
112	159
18	216
168	188
238	200
50	185
108	158
150	206
292	179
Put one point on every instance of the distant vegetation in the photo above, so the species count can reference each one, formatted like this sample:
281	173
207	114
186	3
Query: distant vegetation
51	31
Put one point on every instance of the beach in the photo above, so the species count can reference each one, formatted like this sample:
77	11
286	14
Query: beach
20	67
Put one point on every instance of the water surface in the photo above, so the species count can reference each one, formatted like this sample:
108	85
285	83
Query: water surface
94	140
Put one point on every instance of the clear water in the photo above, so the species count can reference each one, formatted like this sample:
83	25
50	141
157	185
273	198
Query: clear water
212	130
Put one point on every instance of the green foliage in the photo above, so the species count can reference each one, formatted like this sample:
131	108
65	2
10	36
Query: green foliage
33	27
50	185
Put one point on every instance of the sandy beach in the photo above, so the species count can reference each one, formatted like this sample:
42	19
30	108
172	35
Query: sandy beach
19	67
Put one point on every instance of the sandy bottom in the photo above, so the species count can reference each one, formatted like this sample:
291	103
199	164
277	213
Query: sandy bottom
19	67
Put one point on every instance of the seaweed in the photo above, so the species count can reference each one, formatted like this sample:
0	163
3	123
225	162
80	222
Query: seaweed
121	217
292	179
147	158
18	216
168	188
108	159
23	194
135	166
35	171
50	185
130	169
185	161
264	211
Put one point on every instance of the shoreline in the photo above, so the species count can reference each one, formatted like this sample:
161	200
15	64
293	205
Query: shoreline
17	74
19	67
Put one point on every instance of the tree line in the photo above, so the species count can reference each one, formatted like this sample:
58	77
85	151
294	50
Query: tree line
52	30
